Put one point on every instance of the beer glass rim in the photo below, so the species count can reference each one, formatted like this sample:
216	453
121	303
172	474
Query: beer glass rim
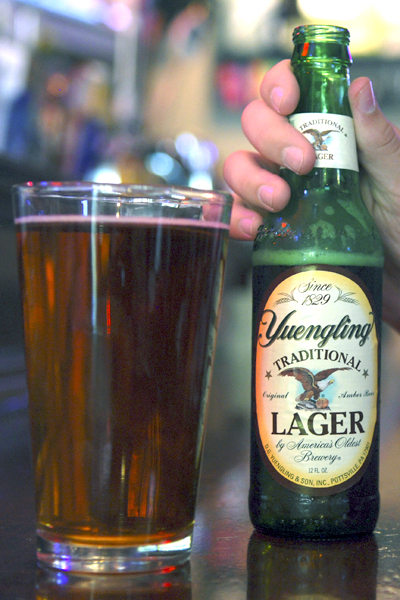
121	192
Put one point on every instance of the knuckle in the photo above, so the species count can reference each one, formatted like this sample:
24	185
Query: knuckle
389	141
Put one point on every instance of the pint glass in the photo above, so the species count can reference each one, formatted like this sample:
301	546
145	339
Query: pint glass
121	289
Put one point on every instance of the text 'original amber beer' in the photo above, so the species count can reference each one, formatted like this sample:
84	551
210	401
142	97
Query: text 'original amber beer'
120	314
317	304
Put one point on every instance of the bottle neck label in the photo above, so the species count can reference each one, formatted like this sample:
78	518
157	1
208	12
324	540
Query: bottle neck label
316	379
332	137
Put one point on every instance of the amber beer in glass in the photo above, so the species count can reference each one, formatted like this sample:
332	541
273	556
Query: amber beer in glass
121	289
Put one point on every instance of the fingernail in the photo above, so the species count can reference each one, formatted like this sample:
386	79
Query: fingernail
265	193
276	97
247	226
366	99
293	158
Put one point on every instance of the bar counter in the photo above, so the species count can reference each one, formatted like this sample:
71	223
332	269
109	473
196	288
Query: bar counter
229	562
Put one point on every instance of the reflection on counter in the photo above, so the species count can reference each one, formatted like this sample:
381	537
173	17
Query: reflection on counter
171	584
282	569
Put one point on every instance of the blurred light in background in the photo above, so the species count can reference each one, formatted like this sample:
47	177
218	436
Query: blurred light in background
199	157
245	18
201	181
115	14
166	167
373	24
104	174
184	143
340	9
160	164
90	11
346	10
118	16
247	26
389	10
27	26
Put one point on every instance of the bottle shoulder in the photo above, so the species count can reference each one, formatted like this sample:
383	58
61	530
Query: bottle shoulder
326	224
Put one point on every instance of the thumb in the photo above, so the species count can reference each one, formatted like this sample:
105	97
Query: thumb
378	140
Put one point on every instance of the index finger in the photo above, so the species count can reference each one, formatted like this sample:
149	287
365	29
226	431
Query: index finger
279	88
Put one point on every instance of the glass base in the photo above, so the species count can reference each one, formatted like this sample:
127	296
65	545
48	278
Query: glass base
82	558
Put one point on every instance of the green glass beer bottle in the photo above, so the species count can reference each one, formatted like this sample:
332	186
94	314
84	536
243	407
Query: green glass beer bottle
317	279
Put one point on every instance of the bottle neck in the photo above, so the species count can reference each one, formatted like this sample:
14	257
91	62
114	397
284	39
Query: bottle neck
324	116
325	220
323	87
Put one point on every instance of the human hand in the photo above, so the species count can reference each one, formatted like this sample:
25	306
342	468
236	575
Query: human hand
254	179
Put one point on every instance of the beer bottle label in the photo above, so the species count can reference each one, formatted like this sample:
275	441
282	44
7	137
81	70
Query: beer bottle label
332	137
316	378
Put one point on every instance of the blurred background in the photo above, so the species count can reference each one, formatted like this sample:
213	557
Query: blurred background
152	91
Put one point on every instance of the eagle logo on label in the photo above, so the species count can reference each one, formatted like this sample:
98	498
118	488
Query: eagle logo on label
313	386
